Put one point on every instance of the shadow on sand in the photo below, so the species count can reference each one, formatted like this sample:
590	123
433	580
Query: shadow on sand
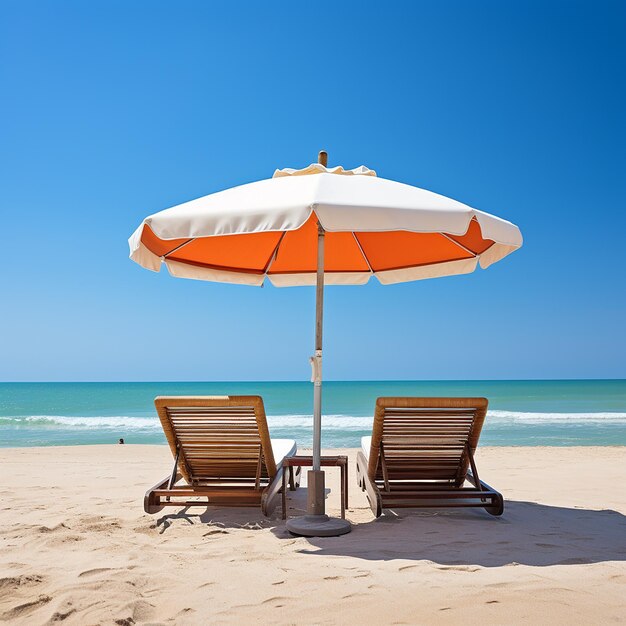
246	517
528	534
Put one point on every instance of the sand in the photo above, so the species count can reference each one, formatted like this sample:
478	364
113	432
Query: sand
77	547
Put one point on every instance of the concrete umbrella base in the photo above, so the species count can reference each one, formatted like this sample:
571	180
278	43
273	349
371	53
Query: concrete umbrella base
318	526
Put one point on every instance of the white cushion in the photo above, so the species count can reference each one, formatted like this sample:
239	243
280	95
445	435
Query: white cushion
282	448
366	443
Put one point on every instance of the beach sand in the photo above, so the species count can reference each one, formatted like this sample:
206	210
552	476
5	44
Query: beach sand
77	547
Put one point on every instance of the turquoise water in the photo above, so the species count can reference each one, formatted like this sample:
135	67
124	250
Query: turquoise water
526	413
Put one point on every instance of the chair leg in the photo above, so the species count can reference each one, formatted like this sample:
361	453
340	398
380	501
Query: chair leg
270	493
373	495
497	508
151	503
359	475
283	496
297	476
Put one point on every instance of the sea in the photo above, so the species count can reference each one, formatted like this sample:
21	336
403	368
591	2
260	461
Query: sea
521	413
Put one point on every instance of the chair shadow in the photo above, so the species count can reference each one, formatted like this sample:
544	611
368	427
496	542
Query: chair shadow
527	534
248	518
217	519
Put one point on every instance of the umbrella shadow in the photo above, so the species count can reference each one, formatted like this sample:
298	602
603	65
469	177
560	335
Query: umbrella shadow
527	534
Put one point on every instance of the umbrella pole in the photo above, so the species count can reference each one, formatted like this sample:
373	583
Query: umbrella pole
317	359
315	483
316	523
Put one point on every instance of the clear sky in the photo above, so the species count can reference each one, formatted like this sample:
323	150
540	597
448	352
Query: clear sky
113	110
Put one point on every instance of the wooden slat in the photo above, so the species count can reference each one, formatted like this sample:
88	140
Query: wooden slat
423	439
219	437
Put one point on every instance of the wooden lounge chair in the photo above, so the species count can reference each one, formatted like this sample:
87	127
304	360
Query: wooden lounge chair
420	452
222	448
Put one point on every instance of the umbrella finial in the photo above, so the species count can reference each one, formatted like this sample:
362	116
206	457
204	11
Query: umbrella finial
322	158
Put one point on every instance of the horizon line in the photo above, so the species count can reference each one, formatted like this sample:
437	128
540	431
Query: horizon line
373	380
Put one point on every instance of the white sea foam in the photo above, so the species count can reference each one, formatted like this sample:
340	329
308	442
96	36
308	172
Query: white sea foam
329	422
92	422
298	421
556	418
337	422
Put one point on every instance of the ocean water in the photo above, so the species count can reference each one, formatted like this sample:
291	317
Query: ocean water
521	413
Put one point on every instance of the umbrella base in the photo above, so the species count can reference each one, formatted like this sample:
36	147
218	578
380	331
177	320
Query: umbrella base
318	526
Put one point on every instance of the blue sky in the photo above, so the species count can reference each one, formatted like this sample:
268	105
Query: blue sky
114	110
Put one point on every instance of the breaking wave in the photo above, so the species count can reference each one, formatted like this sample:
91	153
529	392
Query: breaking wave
329	422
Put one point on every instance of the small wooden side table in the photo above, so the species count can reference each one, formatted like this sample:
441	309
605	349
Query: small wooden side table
325	461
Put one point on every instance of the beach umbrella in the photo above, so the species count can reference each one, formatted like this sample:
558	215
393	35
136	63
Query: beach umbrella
317	226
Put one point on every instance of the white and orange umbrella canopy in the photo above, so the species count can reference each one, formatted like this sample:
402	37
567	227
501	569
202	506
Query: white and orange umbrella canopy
373	227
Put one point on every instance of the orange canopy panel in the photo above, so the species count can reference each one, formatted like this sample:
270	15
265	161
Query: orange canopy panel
248	253
296	251
473	238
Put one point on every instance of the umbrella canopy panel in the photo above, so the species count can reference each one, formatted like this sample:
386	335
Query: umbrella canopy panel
374	227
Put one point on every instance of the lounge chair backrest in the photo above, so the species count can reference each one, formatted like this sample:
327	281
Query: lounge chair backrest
425	438
217	436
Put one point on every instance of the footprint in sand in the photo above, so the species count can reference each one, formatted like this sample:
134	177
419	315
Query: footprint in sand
353	595
140	611
47	529
92	572
275	599
55	542
60	616
9	585
22	610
